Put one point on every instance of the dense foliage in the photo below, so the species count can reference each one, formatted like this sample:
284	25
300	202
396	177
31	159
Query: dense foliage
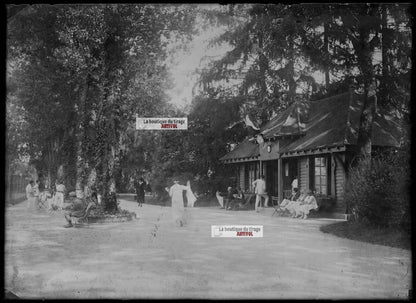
379	194
278	52
78	74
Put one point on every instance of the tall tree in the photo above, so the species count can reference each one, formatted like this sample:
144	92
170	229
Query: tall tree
95	67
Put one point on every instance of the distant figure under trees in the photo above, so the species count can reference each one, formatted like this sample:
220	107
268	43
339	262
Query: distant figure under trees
140	188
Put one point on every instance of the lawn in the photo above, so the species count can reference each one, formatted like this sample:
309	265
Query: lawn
365	233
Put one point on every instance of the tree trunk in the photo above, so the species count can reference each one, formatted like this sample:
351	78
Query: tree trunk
365	128
365	55
263	65
326	49
291	68
80	167
384	56
358	26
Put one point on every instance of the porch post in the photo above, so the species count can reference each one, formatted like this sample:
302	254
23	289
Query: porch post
260	169
333	165
279	179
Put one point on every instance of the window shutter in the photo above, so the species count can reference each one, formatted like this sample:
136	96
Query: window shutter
329	175
311	173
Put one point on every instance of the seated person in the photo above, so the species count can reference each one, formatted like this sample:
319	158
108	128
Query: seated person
295	200
238	200
80	210
294	206
307	205
295	195
228	197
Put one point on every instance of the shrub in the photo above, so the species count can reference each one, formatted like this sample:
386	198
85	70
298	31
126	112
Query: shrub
378	194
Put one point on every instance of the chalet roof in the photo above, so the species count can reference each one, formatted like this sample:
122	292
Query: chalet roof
334	122
276	126
244	150
330	122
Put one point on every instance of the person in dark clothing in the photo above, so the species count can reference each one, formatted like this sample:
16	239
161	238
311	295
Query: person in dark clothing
140	190
228	197
237	201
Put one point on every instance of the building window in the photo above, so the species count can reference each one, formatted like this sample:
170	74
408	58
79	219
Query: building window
321	175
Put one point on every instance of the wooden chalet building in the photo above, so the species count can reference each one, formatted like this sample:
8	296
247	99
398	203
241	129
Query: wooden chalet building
314	142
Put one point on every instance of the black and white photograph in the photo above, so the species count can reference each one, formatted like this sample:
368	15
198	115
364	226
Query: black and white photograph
208	151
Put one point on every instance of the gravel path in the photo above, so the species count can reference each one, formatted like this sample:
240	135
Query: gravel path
151	258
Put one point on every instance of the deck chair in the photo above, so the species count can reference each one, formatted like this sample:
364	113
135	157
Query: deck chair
220	199
43	200
276	205
287	194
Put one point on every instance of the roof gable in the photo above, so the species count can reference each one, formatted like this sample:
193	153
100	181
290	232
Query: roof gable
244	150
331	122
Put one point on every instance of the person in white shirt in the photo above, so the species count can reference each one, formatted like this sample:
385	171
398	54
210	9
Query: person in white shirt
295	184
260	191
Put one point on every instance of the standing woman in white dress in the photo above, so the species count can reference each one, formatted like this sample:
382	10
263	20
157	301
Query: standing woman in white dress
60	194
176	193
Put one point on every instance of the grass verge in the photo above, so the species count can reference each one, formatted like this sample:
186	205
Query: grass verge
370	234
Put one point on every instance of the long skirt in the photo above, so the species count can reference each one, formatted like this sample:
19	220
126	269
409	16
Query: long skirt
178	212
31	203
306	208
59	200
293	207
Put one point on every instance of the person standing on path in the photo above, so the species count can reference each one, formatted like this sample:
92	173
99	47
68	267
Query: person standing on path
36	193
260	191
140	191
60	194
176	193
30	194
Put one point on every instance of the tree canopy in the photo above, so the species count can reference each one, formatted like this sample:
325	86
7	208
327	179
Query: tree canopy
77	75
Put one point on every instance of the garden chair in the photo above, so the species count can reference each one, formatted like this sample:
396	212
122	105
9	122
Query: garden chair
276	205
287	194
43	199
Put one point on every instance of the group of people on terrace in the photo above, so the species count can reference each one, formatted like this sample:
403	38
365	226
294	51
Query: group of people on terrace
298	205
233	199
